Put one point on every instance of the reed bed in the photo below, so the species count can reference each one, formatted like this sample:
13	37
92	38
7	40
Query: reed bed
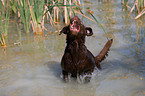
4	17
24	11
36	10
32	14
2	40
4	20
138	7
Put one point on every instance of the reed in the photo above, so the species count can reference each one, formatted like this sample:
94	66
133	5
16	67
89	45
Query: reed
61	8
2	40
56	12
36	11
69	9
125	2
14	6
33	12
24	14
4	20
140	6
141	11
52	11
4	16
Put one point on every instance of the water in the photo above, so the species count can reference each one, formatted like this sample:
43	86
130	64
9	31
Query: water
30	65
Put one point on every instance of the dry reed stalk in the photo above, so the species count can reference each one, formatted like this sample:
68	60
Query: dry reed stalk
54	8
79	2
65	12
122	2
85	16
141	4
135	4
2	2
43	28
48	13
20	2
3	43
140	14
51	20
18	11
57	12
70	12
144	3
42	23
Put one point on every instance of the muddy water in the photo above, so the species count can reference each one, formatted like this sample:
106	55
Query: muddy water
30	65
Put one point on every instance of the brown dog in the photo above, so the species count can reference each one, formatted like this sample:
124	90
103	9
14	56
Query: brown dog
77	59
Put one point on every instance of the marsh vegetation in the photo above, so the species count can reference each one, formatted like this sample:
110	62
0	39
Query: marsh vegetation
32	15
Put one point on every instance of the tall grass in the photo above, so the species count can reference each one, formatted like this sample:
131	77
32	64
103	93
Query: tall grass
14	6
33	13
4	20
69	9
36	10
62	8
2	40
4	16
24	14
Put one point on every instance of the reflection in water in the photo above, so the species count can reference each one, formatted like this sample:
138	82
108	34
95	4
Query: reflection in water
32	68
139	30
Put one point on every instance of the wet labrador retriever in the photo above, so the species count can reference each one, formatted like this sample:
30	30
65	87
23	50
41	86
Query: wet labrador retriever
77	59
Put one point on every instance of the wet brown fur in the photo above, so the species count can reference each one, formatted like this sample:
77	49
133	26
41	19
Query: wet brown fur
77	59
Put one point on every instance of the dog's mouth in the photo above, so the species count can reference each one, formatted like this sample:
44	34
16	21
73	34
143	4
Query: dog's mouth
74	27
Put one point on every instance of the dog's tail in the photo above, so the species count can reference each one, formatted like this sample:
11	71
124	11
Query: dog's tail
104	51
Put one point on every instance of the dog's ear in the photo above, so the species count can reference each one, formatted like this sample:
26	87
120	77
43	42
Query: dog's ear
65	30
89	31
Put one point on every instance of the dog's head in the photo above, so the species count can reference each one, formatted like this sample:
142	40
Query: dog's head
76	28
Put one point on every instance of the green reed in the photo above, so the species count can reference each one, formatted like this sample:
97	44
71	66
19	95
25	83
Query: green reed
141	4
4	17
33	12
2	40
24	14
36	11
4	20
14	6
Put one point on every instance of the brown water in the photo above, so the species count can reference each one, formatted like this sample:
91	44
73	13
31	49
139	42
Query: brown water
32	68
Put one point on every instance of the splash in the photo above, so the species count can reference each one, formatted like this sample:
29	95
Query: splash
81	79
